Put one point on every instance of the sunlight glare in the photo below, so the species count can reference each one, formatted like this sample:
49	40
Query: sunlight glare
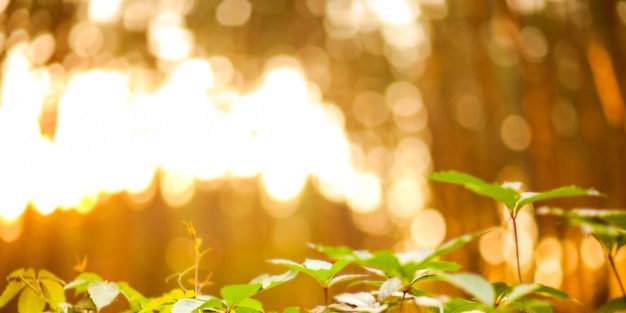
366	195
104	10
167	37
396	12
19	131
428	228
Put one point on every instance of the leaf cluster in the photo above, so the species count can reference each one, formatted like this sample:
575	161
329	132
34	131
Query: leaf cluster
399	279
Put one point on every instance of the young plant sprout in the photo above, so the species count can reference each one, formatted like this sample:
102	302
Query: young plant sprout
510	195
403	278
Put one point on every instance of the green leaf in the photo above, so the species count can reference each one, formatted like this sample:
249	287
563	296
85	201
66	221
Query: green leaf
553	292
452	245
613	305
136	300
102	293
322	271
474	285
30	302
440	266
359	299
530	305
13	288
82	281
518	291
157	304
429	302
186	305
293	309
233	294
502	193
250	303
571	191
388	288
337	253
53	293
386	262
211	303
245	310
176	294
342	278
45	275
605	225
459	305
270	281
19	273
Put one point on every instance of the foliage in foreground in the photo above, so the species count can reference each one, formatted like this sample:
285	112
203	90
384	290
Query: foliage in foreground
395	280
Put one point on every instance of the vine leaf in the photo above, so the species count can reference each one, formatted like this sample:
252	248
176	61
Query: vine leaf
613	305
233	294
186	305
102	293
508	193
474	285
30	302
13	288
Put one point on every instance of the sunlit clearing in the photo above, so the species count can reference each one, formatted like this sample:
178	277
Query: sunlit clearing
168	38
284	182
86	203
103	10
90	153
428	228
292	129
141	198
366	195
45	188
10	230
177	188
526	6
396	11
279	208
406	197
19	131
405	36
591	253
193	74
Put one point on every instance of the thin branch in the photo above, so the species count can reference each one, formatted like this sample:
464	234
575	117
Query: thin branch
619	280
519	267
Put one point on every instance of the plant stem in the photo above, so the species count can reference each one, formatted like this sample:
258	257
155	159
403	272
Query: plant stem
326	296
196	281
519	268
402	302
619	280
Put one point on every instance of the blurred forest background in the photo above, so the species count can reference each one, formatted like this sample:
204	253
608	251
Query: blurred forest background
274	123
